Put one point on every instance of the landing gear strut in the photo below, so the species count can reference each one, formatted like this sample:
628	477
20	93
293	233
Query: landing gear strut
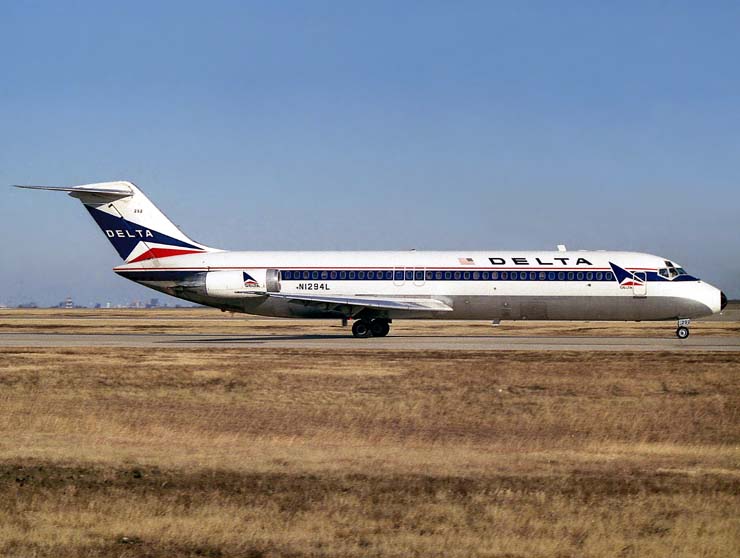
682	331
371	328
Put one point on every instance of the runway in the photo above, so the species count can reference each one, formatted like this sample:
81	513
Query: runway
398	342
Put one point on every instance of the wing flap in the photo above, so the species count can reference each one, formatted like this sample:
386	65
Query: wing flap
386	303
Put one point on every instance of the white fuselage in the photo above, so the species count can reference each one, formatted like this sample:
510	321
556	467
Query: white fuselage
580	285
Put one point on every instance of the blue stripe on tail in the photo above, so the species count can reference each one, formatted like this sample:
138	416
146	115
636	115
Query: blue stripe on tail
125	235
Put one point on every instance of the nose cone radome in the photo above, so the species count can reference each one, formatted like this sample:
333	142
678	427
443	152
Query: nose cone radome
722	301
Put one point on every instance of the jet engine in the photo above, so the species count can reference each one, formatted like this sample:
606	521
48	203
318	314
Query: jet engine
241	283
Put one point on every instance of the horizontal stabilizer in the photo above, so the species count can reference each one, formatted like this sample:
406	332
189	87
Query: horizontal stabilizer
115	190
386	303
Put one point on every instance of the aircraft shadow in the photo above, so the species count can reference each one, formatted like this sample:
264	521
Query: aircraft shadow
325	337
261	338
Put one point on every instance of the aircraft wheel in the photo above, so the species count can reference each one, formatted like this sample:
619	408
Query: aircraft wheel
682	332
379	328
361	329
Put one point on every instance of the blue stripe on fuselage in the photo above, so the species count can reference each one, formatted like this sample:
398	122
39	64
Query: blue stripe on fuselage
313	275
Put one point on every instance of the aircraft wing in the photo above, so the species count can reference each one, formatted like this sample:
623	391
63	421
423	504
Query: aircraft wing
383	303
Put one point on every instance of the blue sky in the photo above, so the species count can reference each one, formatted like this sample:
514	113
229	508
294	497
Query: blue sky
378	125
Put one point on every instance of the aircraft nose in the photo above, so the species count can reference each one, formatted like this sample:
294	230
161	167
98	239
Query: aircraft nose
722	300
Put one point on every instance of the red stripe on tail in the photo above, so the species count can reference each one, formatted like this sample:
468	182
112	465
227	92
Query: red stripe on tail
162	253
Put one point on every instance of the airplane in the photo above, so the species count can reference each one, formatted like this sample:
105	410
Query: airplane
375	288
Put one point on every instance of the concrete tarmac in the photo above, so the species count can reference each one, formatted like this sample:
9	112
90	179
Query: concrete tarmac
393	342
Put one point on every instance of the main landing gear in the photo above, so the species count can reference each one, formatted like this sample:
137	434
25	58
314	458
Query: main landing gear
371	328
682	331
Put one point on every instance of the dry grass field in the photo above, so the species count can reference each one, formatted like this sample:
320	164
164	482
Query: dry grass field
211	321
263	453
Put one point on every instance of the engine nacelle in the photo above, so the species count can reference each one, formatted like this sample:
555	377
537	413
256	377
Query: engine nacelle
242	283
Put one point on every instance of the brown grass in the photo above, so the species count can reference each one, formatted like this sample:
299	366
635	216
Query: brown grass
211	321
256	452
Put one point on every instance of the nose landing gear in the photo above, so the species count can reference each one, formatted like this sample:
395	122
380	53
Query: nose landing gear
378	327
682	331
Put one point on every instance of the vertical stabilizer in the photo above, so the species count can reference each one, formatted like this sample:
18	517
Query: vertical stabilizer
135	227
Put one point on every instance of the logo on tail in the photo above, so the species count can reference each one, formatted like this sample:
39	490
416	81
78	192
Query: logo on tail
135	242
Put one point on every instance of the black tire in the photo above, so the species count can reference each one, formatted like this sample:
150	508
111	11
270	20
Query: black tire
361	329
379	328
682	332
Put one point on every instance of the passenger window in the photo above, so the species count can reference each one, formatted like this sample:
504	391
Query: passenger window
448	275
360	274
419	276
589	276
532	276
399	276
351	274
609	276
371	275
570	276
457	275
579	276
342	274
333	275
466	275
430	275
514	275
438	275
561	275
324	274
476	276
599	276
551	275
504	275
486	275
286	274
306	275
388	275
409	276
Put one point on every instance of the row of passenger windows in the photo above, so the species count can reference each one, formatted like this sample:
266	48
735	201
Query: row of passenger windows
418	276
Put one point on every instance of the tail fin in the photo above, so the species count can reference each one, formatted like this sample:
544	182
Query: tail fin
135	226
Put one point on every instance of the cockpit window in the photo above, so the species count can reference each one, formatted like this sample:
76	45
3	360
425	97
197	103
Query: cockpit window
671	272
